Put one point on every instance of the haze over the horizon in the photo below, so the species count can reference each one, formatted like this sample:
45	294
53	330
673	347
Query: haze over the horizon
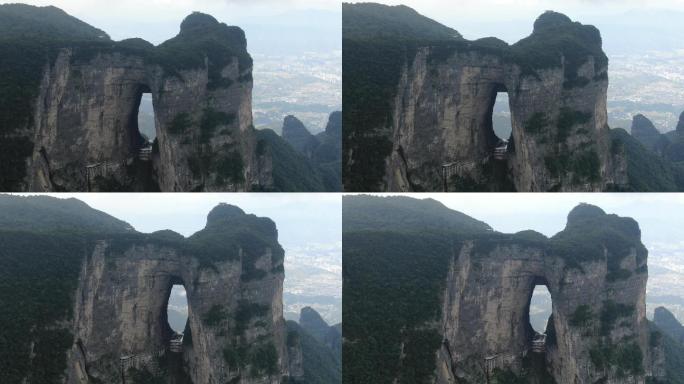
309	229
660	217
511	20
270	25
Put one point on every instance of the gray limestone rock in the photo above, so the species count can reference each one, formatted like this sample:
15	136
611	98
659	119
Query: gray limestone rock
84	131
598	307
439	120
235	331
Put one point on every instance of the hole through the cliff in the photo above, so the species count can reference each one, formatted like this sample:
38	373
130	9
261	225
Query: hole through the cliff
142	129
176	317
540	308
500	122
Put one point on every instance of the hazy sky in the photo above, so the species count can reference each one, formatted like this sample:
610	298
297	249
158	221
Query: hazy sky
660	215
302	219
159	20
624	24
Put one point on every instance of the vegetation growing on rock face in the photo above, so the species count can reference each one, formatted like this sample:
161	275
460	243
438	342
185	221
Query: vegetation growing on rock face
144	376
230	167
320	364
568	119
582	316
180	123
31	38
646	170
379	41
673	349
44	240
381	314
263	359
626	358
377	309
215	316
212	119
611	312
536	123
590	232
247	311
292	171
391	325
42	243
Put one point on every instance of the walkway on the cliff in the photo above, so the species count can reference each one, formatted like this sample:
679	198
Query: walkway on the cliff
176	343
457	167
539	343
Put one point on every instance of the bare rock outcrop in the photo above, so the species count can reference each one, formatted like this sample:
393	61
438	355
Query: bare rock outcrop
234	283
454	299
598	330
81	103
434	129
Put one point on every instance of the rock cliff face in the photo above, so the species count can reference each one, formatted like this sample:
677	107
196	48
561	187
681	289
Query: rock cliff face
235	331
83	122
597	332
473	325
438	132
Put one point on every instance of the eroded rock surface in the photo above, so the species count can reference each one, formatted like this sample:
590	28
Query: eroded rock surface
434	132
598	330
233	275
453	302
83	127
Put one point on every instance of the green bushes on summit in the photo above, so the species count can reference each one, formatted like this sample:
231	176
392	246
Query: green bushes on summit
31	38
378	41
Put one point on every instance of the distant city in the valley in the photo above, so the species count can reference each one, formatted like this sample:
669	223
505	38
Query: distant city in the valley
650	83
307	85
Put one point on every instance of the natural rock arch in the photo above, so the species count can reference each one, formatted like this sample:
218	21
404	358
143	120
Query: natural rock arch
201	82
234	289
598	304
434	125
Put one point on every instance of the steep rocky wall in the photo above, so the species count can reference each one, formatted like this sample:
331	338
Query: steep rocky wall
439	122
235	332
85	121
598	332
443	114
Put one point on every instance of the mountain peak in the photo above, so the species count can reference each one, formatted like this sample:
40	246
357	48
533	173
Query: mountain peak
223	213
550	19
197	20
642	126
334	126
583	212
292	126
